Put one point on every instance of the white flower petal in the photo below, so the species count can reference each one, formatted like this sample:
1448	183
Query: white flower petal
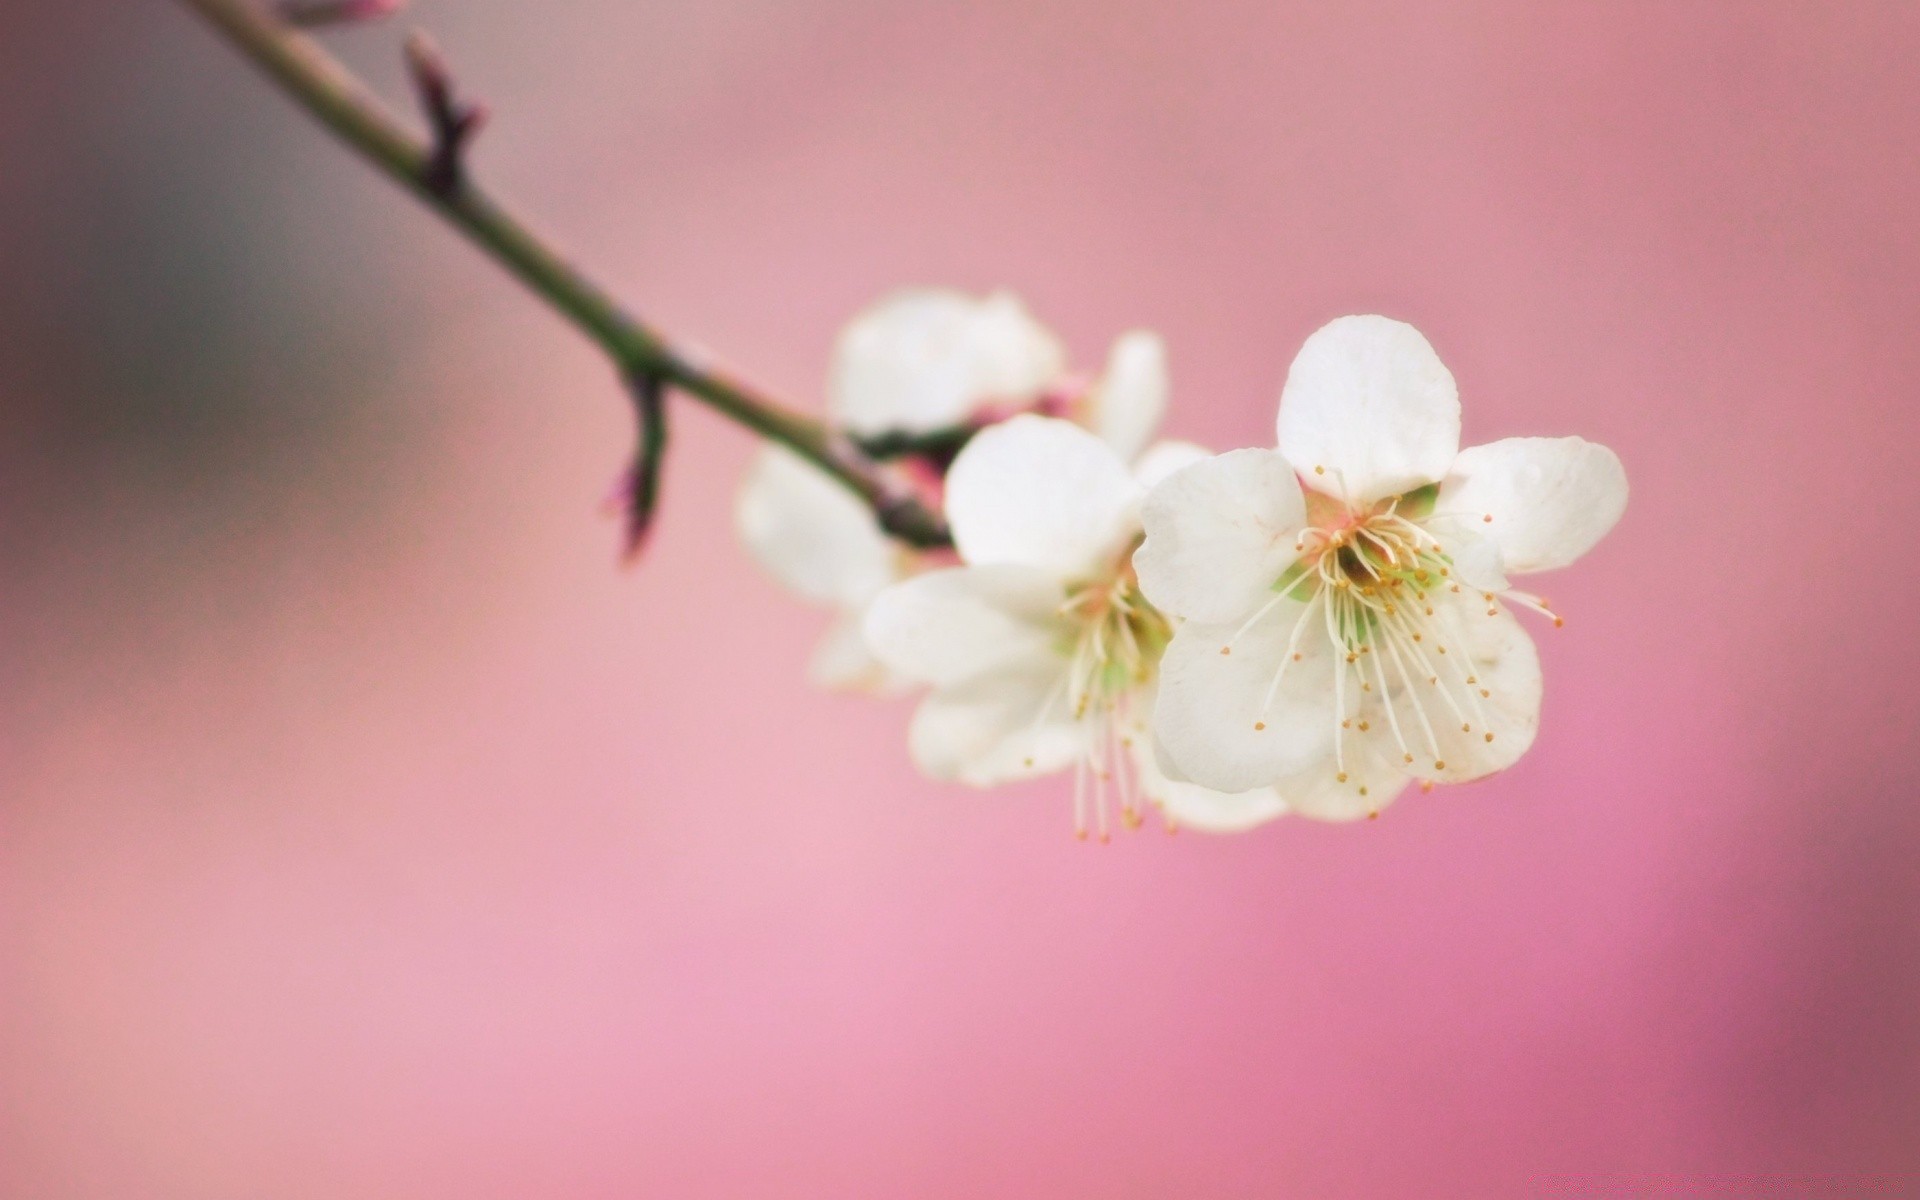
1189	806
842	662
1131	397
1164	458
926	358
996	728
948	626
810	533
1042	493
1321	795
1500	657
1368	402
1476	557
1551	499
1220	532
1221	721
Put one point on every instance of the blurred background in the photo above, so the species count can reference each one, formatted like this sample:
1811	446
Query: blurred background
364	831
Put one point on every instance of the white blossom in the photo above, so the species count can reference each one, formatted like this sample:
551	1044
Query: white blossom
919	361
1039	648
1343	603
822	544
924	359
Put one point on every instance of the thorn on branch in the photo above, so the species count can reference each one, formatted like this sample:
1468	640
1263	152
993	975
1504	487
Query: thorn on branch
454	121
316	14
638	493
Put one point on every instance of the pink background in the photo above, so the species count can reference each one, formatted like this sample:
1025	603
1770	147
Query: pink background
364	832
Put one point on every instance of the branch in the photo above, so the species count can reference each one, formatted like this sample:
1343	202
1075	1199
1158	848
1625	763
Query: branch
640	496
454	121
314	14
332	95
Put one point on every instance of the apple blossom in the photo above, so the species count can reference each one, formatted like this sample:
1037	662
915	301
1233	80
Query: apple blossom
1343	601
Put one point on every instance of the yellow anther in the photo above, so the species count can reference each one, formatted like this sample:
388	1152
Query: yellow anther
1439	765
1259	725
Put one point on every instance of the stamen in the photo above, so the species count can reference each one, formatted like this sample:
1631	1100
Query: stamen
1419	710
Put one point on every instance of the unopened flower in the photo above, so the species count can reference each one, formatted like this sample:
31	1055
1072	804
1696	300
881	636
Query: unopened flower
1354	633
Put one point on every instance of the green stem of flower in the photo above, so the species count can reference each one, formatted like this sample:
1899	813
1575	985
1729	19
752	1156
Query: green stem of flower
334	96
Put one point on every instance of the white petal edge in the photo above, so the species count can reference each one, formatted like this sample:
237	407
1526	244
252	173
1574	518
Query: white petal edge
1043	493
952	625
1163	458
924	358
1368	410
995	729
1131	398
1319	794
1214	724
810	533
842	662
1189	806
1220	532
1550	499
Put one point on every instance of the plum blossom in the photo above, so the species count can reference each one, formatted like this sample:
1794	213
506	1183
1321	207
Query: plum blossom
823	545
925	359
1343	608
921	361
1040	649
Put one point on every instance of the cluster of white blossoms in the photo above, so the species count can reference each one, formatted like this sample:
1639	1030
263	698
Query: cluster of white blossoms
1227	638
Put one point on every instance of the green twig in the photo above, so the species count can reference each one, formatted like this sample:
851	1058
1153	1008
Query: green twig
327	90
